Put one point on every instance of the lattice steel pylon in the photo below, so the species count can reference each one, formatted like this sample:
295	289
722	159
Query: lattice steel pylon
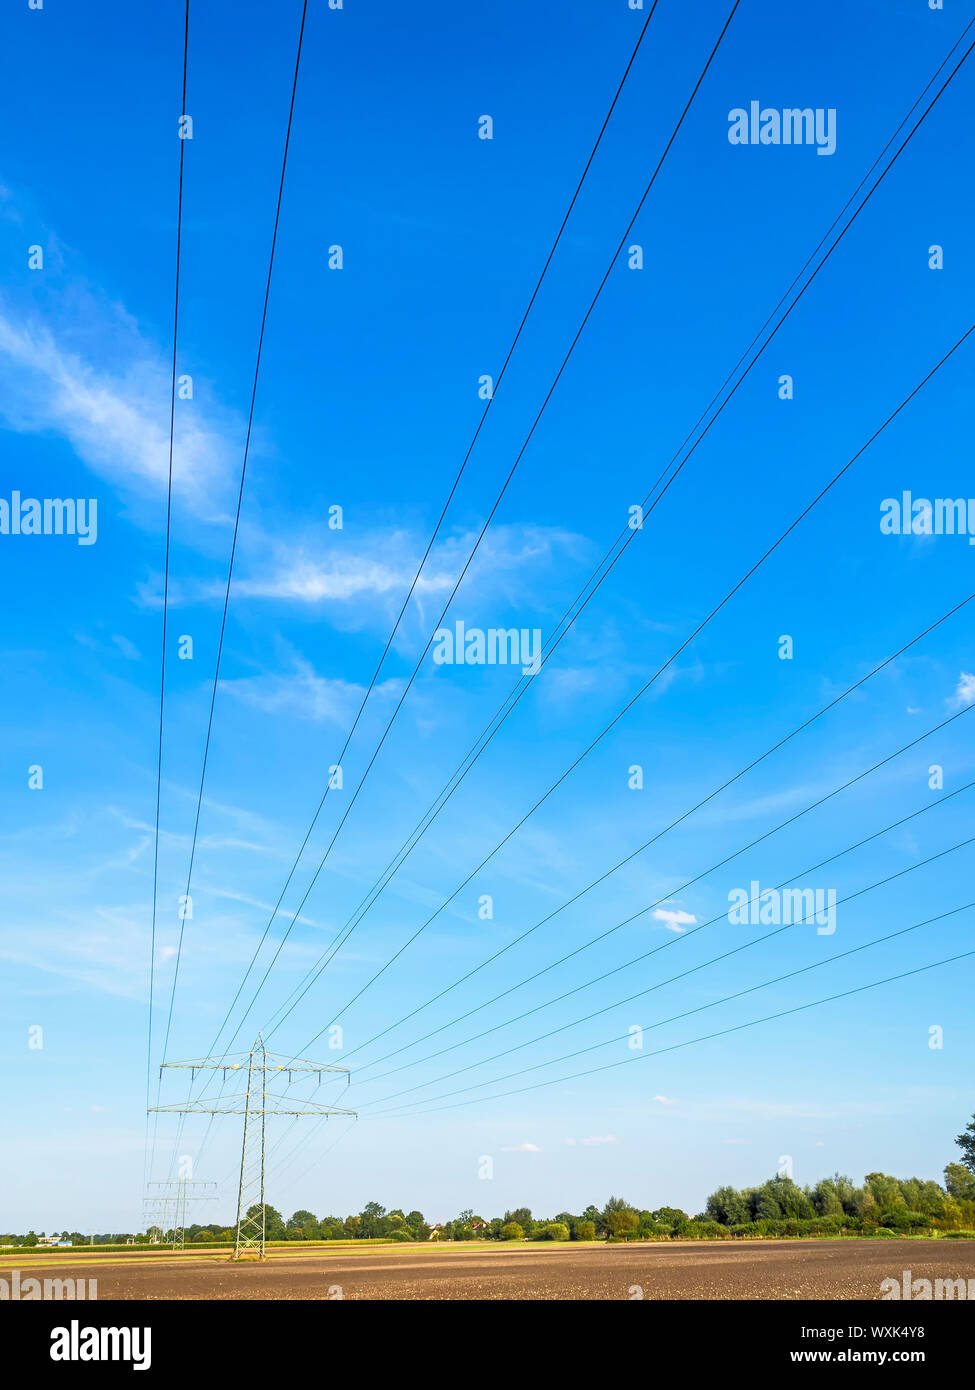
159	1208
256	1104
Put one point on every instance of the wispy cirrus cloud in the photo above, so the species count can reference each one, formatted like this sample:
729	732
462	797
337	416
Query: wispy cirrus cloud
304	693
381	565
115	417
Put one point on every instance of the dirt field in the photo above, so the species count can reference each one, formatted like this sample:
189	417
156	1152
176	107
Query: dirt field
821	1269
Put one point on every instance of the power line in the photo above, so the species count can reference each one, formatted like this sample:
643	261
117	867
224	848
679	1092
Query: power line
627	535
610	931
443	513
615	720
684	816
689	883
487	523
673	941
165	617
233	548
436	531
240	497
943	64
740	1027
335	1142
617	1003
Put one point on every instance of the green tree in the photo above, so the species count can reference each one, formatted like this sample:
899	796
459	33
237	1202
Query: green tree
584	1230
418	1226
552	1230
728	1206
826	1198
369	1219
966	1142
511	1230
274	1227
960	1182
303	1226
672	1219
523	1218
885	1191
619	1218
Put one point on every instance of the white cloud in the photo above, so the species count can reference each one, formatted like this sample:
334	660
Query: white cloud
964	691
127	648
675	918
597	1139
664	1100
116	420
520	1149
384	565
304	693
258	903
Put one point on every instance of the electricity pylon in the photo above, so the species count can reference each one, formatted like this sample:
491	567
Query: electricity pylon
160	1207
255	1105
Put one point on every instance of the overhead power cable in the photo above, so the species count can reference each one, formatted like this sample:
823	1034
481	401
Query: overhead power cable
660	670
473	552
740	1027
233	547
600	937
165	613
640	994
606	565
684	936
240	498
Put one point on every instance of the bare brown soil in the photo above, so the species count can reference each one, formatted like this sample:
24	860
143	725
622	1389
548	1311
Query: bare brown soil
821	1269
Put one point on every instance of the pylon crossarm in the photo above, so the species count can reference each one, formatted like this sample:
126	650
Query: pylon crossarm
240	1108
239	1061
233	1061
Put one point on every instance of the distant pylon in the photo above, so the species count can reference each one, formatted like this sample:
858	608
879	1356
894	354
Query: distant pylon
177	1202
255	1105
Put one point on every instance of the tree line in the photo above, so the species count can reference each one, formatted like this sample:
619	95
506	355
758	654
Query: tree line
881	1205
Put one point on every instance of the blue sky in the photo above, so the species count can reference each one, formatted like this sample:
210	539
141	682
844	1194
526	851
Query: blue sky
368	399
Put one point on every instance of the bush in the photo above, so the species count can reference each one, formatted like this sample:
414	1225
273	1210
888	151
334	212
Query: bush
900	1219
652	1230
554	1230
401	1235
512	1231
705	1230
584	1230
